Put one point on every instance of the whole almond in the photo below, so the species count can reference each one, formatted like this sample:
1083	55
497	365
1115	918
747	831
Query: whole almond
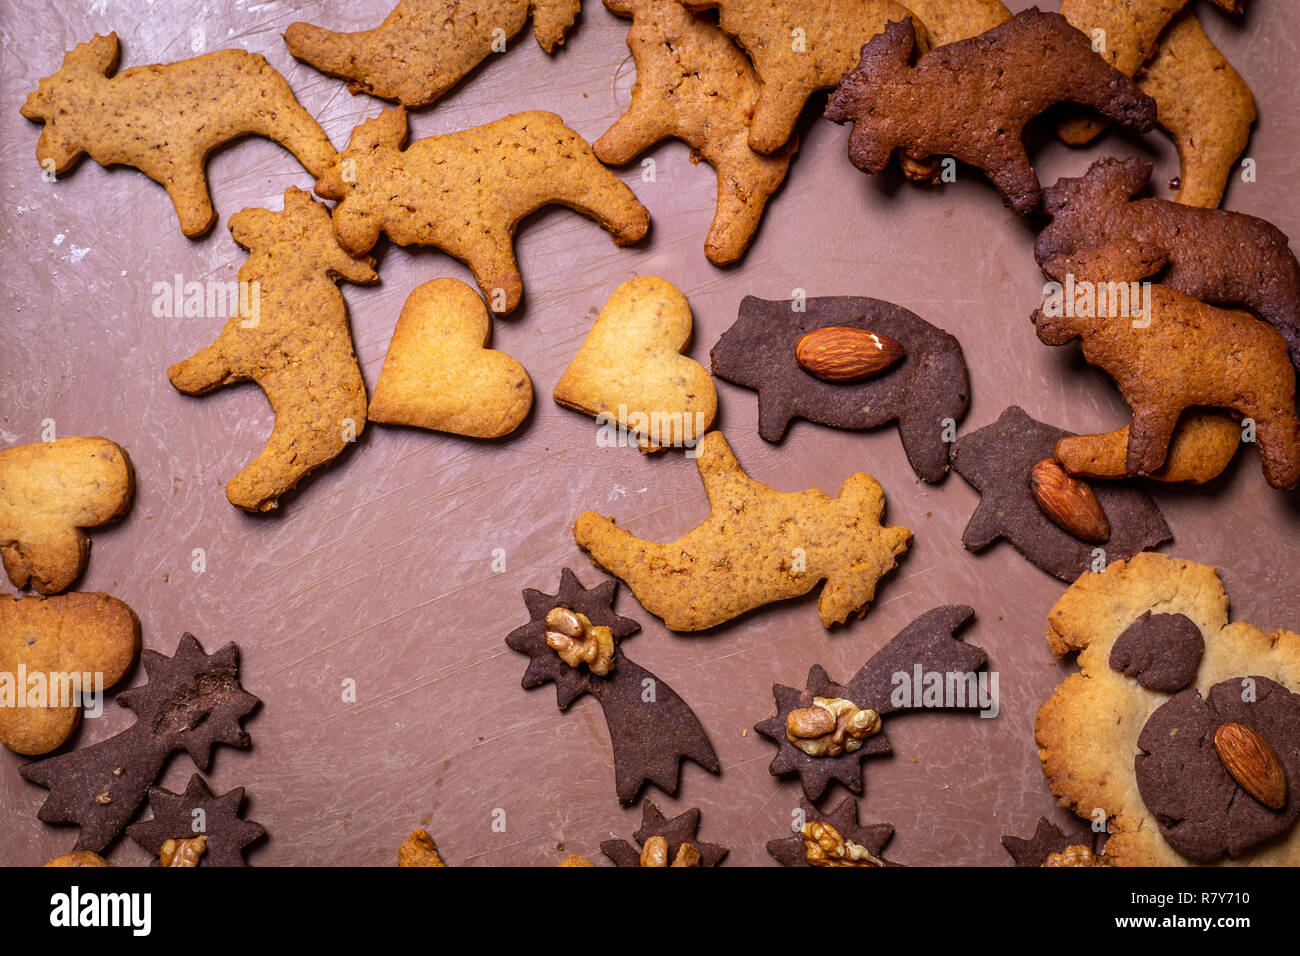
1252	763
1068	501
841	353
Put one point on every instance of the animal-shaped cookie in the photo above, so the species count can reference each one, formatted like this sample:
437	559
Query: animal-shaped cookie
630	369
971	99
297	348
927	392
52	650
1191	354
694	84
798	47
439	372
757	546
1204	443
424	47
49	492
466	192
1126	33
164	119
1100	233
1160	767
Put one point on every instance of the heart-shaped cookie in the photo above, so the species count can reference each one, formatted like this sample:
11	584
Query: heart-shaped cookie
630	372
440	374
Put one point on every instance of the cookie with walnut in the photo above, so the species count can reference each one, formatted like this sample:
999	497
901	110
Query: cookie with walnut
833	838
664	842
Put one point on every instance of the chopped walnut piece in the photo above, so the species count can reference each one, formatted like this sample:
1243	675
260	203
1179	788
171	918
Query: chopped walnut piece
572	635
823	846
182	852
1077	855
830	727
655	853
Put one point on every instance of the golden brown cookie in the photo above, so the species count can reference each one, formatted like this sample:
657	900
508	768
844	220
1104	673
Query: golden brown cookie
630	369
418	850
466	192
1089	728
1185	354
79	858
947	21
1203	445
798	47
424	47
692	83
51	651
1204	104
1125	33
164	119
757	546
439	372
49	492
573	860
295	343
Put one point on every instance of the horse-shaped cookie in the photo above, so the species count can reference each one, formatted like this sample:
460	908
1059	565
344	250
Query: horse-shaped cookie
165	119
295	344
466	192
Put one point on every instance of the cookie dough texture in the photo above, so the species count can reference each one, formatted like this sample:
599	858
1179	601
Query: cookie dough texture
440	374
630	368
692	83
69	635
424	47
165	119
297	346
50	492
758	545
466	192
1088	730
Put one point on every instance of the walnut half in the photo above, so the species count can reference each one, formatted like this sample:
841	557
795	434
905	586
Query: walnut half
830	727
572	635
182	852
823	846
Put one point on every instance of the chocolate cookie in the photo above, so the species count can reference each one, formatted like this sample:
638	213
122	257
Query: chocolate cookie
1047	841
806	849
675	834
1160	651
198	812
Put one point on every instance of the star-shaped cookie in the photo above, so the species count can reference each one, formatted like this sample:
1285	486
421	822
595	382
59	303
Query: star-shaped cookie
676	831
198	812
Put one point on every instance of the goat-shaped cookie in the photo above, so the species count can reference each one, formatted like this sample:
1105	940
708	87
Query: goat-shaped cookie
165	119
296	345
466	192
971	99
1186	354
1099	233
759	545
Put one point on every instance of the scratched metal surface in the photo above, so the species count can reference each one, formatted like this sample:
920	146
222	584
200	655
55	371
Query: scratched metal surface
379	569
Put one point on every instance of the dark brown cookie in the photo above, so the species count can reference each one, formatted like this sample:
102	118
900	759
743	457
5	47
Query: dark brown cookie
884	684
971	99
1099	233
192	701
650	727
1161	652
996	460
1047	840
793	850
198	812
925	393
675	832
1202	811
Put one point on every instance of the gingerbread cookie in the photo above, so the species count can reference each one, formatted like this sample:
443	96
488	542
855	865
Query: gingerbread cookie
197	827
833	838
466	192
947	21
759	545
1203	445
665	842
996	460
1177	800
1099	233
49	492
79	858
418	849
630	369
58	648
798	47
165	119
424	47
193	700
971	99
572	640
1184	354
440	374
694	84
1205	106
926	392
1125	33
1049	841
825	730
295	344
